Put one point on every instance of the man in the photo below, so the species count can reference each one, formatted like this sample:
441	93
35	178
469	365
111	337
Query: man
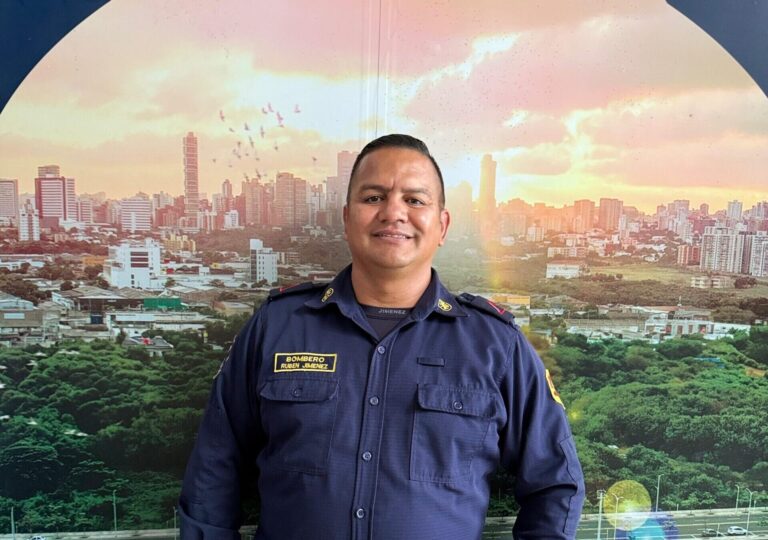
379	405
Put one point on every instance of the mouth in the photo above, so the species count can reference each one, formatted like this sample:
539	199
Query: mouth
393	235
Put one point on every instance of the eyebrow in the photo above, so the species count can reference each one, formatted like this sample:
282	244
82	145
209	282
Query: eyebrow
382	188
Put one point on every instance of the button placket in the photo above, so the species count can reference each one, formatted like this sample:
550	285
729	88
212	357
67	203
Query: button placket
369	442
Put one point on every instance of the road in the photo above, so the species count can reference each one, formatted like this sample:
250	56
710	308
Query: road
687	524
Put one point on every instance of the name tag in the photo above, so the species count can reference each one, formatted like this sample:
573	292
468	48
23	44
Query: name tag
305	361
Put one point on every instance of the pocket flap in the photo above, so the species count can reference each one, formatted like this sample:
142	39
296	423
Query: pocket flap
456	400
299	390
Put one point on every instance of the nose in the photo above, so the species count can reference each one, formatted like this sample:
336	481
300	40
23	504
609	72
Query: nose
393	210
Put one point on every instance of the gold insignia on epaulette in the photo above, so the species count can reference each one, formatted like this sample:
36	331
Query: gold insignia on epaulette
443	305
328	293
553	392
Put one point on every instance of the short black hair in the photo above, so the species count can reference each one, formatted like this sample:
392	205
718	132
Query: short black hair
397	140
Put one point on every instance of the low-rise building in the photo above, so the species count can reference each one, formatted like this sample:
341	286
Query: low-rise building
567	271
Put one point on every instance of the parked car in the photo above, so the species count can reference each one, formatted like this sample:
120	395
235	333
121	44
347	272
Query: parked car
708	533
37	537
736	531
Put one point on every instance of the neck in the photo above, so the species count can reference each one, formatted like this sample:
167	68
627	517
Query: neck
389	289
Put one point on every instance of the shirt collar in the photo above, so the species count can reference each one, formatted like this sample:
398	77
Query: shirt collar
435	299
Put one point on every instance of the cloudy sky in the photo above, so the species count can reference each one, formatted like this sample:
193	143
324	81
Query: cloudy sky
574	100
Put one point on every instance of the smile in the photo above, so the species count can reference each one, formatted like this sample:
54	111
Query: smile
392	235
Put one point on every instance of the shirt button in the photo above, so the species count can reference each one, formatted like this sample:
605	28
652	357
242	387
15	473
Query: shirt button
374	401
296	392
381	349
359	513
458	405
367	456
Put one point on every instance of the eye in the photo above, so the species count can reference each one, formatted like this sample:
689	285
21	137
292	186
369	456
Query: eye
414	201
373	199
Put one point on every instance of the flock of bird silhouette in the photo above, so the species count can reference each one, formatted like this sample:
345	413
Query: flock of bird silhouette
240	151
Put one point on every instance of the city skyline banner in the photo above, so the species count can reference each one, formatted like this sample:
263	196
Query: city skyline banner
651	320
639	125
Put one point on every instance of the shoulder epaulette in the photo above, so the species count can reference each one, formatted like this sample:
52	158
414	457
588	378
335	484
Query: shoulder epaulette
486	306
293	289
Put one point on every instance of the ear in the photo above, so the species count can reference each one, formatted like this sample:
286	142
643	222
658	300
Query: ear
345	218
445	221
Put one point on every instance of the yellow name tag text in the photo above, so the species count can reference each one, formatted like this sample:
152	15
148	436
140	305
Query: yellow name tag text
305	361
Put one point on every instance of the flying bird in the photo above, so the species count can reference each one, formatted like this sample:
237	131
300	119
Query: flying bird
232	130
269	107
264	111
245	126
221	115
261	130
275	147
296	109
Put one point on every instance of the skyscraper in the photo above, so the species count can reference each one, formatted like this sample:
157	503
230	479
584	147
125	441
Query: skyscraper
336	186
487	200
609	214
583	215
191	180
55	197
291	208
734	210
723	250
9	200
256	203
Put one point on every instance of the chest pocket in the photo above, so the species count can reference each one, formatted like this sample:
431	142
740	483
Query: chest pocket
298	416
449	427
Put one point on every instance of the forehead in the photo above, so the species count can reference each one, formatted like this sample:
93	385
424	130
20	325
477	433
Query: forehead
389	164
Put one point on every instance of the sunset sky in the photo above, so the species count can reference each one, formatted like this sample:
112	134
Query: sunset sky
575	100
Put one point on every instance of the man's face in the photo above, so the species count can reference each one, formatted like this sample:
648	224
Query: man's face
393	220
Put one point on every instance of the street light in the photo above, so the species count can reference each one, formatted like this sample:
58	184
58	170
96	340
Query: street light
616	514
658	485
749	507
737	498
114	509
600	496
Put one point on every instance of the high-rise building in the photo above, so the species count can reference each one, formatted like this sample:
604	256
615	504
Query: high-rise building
317	203
609	214
291	208
263	263
9	200
29	224
486	203
583	215
704	209
722	250
758	260
191	180
336	186
256	203
459	198
136	213
226	189
734	210
85	210
55	197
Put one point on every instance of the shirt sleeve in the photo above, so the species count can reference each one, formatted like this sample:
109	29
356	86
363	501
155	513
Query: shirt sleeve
538	449
228	441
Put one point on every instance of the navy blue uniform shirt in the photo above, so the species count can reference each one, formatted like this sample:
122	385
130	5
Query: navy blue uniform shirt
356	437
